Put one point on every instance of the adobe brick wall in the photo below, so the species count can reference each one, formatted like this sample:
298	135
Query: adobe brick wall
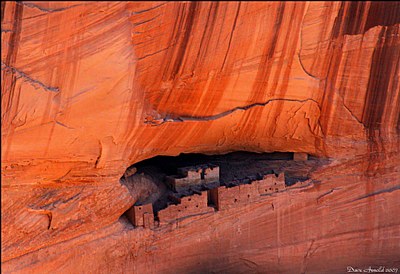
193	176
148	220
270	183
221	197
141	215
211	174
225	198
300	156
178	184
190	205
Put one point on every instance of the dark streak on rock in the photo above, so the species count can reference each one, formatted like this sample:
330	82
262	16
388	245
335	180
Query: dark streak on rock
277	27
383	13
62	177
231	36
306	256
207	33
154	53
377	193
100	153
3	8
385	63
63	125
190	17
48	213
149	9
327	193
264	70
146	21
351	16
50	216
8	95
249	263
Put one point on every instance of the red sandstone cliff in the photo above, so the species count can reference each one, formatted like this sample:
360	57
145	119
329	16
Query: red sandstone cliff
90	88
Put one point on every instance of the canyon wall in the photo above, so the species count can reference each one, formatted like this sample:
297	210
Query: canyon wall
90	88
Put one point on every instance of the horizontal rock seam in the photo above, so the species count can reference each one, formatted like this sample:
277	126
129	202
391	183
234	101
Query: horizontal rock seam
168	119
29	79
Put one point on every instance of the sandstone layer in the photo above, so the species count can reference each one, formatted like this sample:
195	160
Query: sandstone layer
90	88
346	217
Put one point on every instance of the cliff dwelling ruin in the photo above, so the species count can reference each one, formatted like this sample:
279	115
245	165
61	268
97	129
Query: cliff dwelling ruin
177	137
195	184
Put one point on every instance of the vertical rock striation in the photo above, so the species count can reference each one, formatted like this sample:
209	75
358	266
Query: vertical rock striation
89	88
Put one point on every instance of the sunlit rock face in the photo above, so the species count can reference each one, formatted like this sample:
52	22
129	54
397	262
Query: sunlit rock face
89	89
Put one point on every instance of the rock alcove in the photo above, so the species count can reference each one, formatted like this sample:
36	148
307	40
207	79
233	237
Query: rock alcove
164	181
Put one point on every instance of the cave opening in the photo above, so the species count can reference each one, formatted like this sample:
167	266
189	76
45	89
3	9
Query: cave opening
188	181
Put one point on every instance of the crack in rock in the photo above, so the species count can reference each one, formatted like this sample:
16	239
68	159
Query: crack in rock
146	21
149	9
27	78
168	119
48	213
327	193
34	6
301	48
392	189
348	109
154	53
63	125
307	256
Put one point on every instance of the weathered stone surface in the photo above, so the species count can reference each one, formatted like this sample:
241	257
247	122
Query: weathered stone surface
82	79
349	216
89	88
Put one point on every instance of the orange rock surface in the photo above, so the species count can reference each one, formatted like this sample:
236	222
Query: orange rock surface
90	88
